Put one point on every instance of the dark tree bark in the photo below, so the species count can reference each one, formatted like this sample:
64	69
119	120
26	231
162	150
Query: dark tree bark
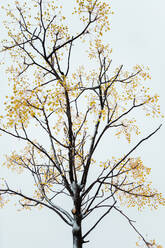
77	215
77	233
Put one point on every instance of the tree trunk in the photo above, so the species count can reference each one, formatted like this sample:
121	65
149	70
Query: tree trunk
77	233
76	211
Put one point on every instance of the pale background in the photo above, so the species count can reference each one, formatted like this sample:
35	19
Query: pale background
137	37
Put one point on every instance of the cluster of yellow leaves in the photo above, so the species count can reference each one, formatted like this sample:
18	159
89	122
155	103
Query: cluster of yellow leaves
151	244
3	200
27	205
125	90
135	191
96	47
137	90
122	97
126	128
94	10
24	104
105	164
17	162
12	21
33	160
32	17
143	193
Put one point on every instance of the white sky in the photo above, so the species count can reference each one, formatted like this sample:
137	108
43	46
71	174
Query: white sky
137	37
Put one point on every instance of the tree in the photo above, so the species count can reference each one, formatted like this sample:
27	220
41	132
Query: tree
73	109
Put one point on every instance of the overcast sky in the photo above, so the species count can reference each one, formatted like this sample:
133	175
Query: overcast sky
137	37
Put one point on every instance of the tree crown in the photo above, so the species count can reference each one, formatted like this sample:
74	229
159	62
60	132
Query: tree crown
74	108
